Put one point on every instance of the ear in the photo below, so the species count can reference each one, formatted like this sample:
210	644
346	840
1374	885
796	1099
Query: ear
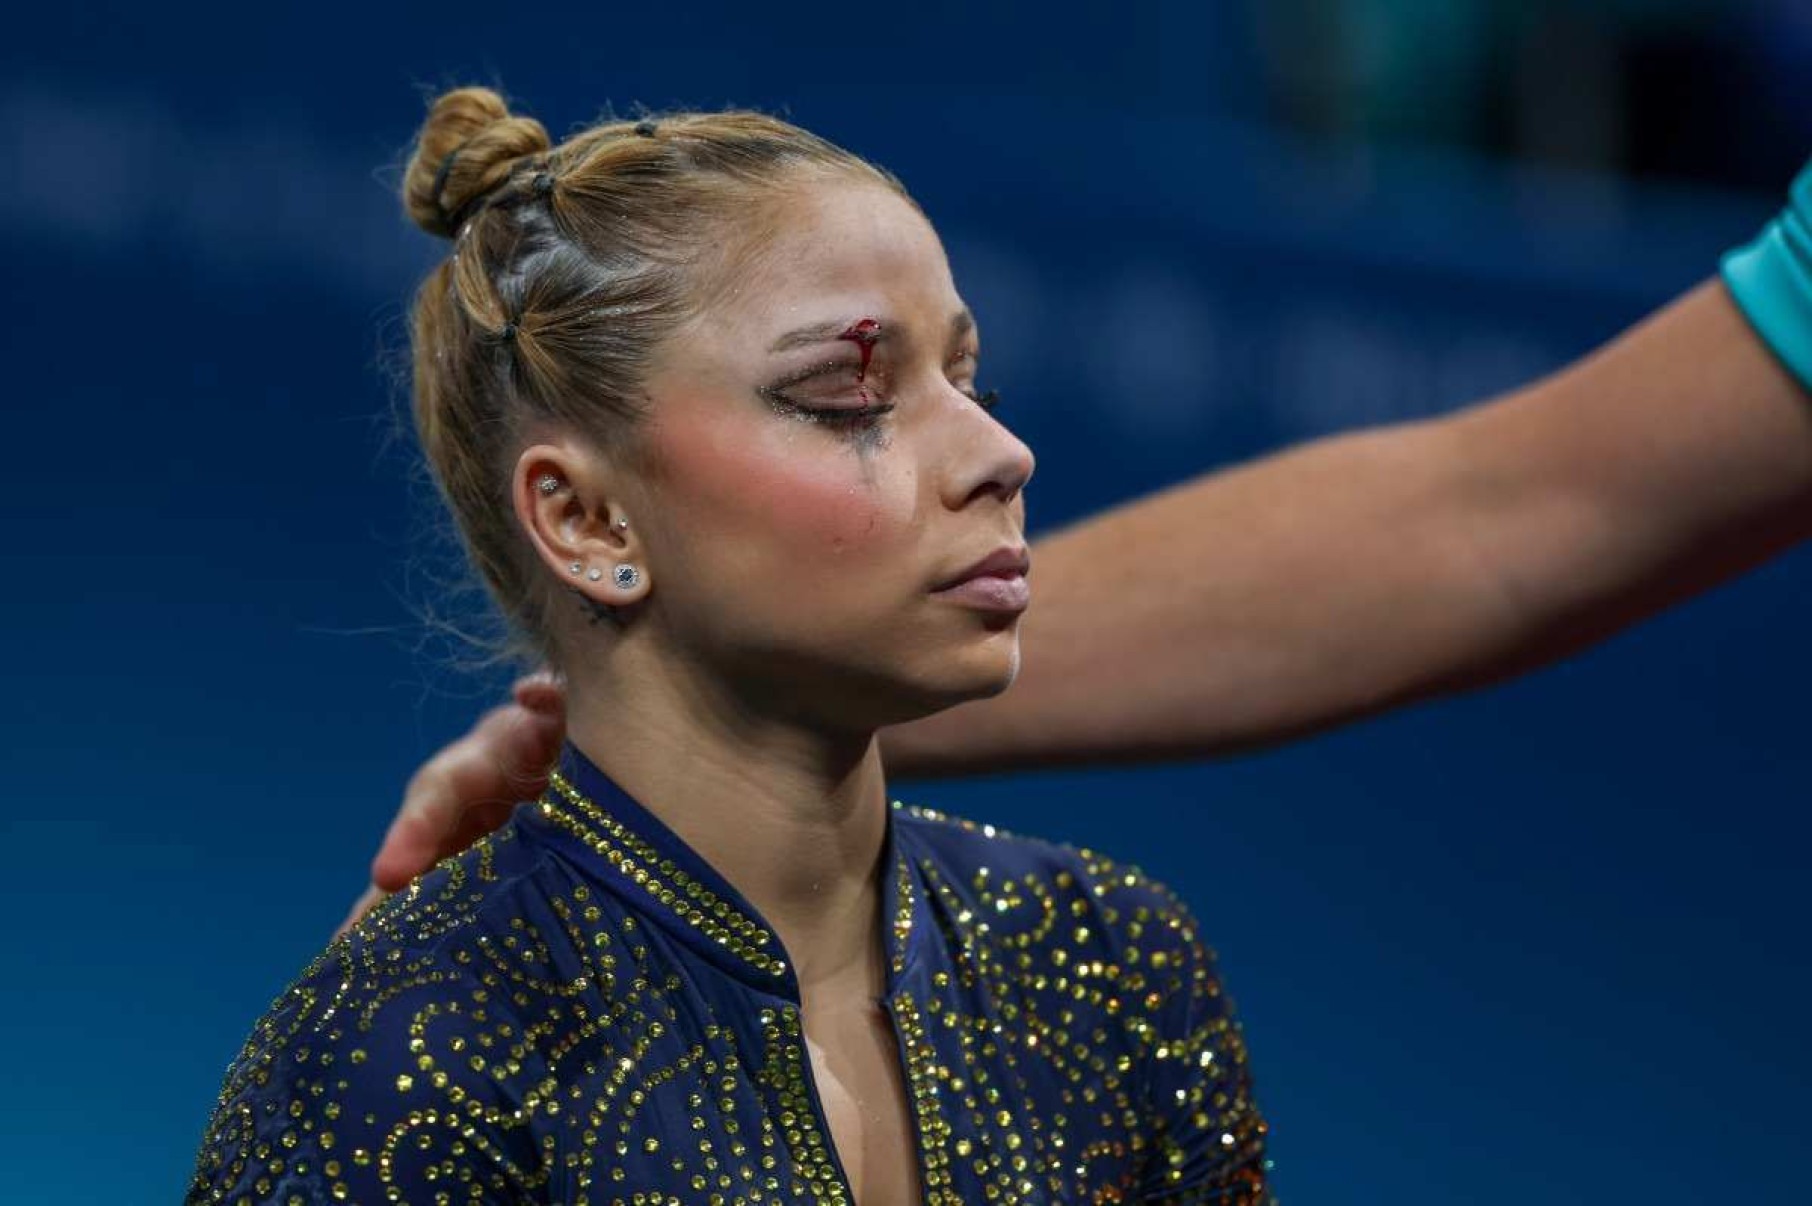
563	498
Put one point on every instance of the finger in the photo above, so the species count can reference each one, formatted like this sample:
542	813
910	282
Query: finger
521	744
430	808
435	805
468	789
363	905
540	692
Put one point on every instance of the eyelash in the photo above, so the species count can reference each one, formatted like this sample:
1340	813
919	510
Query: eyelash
843	415
857	417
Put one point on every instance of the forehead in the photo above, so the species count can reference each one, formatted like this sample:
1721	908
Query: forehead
833	245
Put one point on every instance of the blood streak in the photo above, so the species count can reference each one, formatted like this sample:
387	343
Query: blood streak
863	333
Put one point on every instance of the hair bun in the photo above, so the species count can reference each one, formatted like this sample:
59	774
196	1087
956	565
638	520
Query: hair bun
467	146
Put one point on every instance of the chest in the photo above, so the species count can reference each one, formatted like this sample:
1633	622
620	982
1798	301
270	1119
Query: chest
862	1090
670	1096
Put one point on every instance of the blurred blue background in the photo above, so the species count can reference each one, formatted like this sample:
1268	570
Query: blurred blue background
1541	944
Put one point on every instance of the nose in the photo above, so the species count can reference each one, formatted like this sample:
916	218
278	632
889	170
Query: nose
985	458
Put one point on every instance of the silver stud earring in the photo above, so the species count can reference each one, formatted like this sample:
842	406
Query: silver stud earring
626	576
575	567
622	525
547	483
592	575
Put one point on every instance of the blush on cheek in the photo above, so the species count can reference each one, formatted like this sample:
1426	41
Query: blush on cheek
789	493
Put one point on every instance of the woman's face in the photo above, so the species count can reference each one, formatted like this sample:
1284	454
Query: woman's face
817	467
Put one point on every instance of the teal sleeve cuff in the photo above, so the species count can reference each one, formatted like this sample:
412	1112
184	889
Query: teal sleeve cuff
1771	280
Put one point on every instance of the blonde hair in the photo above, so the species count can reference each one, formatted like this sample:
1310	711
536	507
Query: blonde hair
570	265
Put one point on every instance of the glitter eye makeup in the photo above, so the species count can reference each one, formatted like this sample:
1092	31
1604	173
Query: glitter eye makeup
864	335
782	397
986	399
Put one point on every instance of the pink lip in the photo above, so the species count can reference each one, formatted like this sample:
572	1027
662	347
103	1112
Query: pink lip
1006	562
991	593
997	582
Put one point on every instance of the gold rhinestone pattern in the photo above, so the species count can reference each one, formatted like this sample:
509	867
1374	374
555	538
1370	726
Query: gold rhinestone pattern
903	910
669	886
785	1070
518	1025
1079	1041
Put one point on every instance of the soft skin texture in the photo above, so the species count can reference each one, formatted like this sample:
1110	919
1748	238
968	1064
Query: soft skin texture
794	513
787	606
1377	569
1465	550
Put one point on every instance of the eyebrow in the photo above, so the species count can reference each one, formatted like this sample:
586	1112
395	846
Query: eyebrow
961	324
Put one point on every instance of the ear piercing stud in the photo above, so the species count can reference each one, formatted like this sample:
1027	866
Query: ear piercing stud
547	483
625	576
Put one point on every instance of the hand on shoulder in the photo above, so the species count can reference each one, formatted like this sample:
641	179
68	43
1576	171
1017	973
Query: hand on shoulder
470	787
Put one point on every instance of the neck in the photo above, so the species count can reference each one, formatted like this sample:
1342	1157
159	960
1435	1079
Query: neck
794	818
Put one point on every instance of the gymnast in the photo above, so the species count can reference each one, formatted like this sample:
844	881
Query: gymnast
702	397
1347	577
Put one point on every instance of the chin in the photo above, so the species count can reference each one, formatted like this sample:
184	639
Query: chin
983	673
932	684
1005	677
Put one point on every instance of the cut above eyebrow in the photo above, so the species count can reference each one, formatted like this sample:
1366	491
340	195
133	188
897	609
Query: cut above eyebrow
961	324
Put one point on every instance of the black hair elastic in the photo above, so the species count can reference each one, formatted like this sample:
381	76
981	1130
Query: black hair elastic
508	334
457	219
440	176
645	129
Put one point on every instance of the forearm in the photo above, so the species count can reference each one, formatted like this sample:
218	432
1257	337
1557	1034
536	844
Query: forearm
1364	571
1669	461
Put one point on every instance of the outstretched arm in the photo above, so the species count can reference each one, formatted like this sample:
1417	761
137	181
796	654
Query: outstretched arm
1368	570
1353	574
